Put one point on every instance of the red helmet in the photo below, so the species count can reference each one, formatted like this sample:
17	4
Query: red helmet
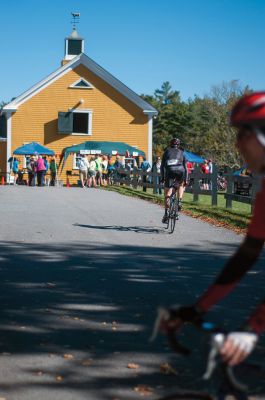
174	142
249	110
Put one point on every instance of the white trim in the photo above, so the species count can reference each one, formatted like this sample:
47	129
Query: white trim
69	57
150	112
91	66
89	86
13	106
2	139
150	139
74	161
8	139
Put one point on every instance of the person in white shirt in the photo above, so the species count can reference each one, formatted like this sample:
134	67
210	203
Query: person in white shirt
83	166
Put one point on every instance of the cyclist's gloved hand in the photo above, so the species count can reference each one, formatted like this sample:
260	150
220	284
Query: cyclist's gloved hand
237	346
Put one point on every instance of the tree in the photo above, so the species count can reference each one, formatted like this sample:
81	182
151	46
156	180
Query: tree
2	104
200	123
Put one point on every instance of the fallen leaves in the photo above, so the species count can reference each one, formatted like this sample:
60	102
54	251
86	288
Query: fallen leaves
143	390
132	366
165	368
87	363
68	356
114	326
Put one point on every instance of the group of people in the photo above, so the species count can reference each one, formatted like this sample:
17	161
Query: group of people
99	169
37	168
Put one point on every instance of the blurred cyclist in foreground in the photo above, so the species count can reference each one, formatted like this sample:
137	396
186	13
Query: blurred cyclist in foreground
248	116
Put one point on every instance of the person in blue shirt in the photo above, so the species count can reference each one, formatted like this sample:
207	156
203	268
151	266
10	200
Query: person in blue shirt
14	167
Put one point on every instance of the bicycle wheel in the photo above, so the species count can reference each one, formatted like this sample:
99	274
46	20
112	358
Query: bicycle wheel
173	213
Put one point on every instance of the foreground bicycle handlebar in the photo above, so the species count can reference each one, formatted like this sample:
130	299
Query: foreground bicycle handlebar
218	337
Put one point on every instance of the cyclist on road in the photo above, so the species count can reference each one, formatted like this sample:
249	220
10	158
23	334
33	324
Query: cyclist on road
173	168
248	116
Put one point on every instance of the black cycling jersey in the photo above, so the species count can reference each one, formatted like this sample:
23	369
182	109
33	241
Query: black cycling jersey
174	164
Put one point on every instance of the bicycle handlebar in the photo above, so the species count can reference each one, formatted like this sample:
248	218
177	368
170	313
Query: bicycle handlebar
217	340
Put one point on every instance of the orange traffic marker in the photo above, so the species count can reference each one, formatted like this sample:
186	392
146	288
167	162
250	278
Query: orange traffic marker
3	180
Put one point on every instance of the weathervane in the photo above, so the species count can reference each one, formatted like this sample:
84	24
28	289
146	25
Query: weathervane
75	19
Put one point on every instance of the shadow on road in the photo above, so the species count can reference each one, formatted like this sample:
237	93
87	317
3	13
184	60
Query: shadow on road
98	304
136	229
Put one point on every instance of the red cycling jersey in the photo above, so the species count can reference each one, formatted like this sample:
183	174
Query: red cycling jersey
237	266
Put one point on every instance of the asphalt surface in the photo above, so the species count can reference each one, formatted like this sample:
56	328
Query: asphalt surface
82	273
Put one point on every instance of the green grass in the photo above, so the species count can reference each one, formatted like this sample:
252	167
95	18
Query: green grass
237	217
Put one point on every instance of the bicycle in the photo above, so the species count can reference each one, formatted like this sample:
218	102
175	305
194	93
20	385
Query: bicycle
173	211
229	384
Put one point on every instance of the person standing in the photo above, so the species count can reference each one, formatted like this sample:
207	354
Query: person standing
98	162
104	164
205	170
53	170
47	166
145	167
83	166
31	168
210	164
15	164
41	169
157	170
92	173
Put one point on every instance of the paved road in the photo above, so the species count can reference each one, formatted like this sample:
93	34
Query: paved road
82	272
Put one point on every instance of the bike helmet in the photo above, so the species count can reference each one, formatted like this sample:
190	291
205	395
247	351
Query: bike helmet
174	142
249	112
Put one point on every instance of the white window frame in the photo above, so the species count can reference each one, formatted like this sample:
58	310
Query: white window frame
89	112
71	56
76	158
26	160
73	86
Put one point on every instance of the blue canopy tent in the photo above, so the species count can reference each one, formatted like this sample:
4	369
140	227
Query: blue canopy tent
191	157
33	148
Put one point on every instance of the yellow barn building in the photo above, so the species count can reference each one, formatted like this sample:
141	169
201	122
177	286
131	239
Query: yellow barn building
78	102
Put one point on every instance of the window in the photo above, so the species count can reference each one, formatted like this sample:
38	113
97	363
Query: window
81	84
76	160
26	160
75	122
74	46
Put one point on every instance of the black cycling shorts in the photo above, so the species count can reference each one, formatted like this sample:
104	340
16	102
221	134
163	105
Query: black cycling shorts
176	174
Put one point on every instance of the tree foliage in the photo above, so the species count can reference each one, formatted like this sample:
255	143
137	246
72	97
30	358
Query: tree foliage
201	123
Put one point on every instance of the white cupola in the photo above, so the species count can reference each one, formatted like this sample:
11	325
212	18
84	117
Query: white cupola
74	45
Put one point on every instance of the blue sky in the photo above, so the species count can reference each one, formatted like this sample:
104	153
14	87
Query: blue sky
193	44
